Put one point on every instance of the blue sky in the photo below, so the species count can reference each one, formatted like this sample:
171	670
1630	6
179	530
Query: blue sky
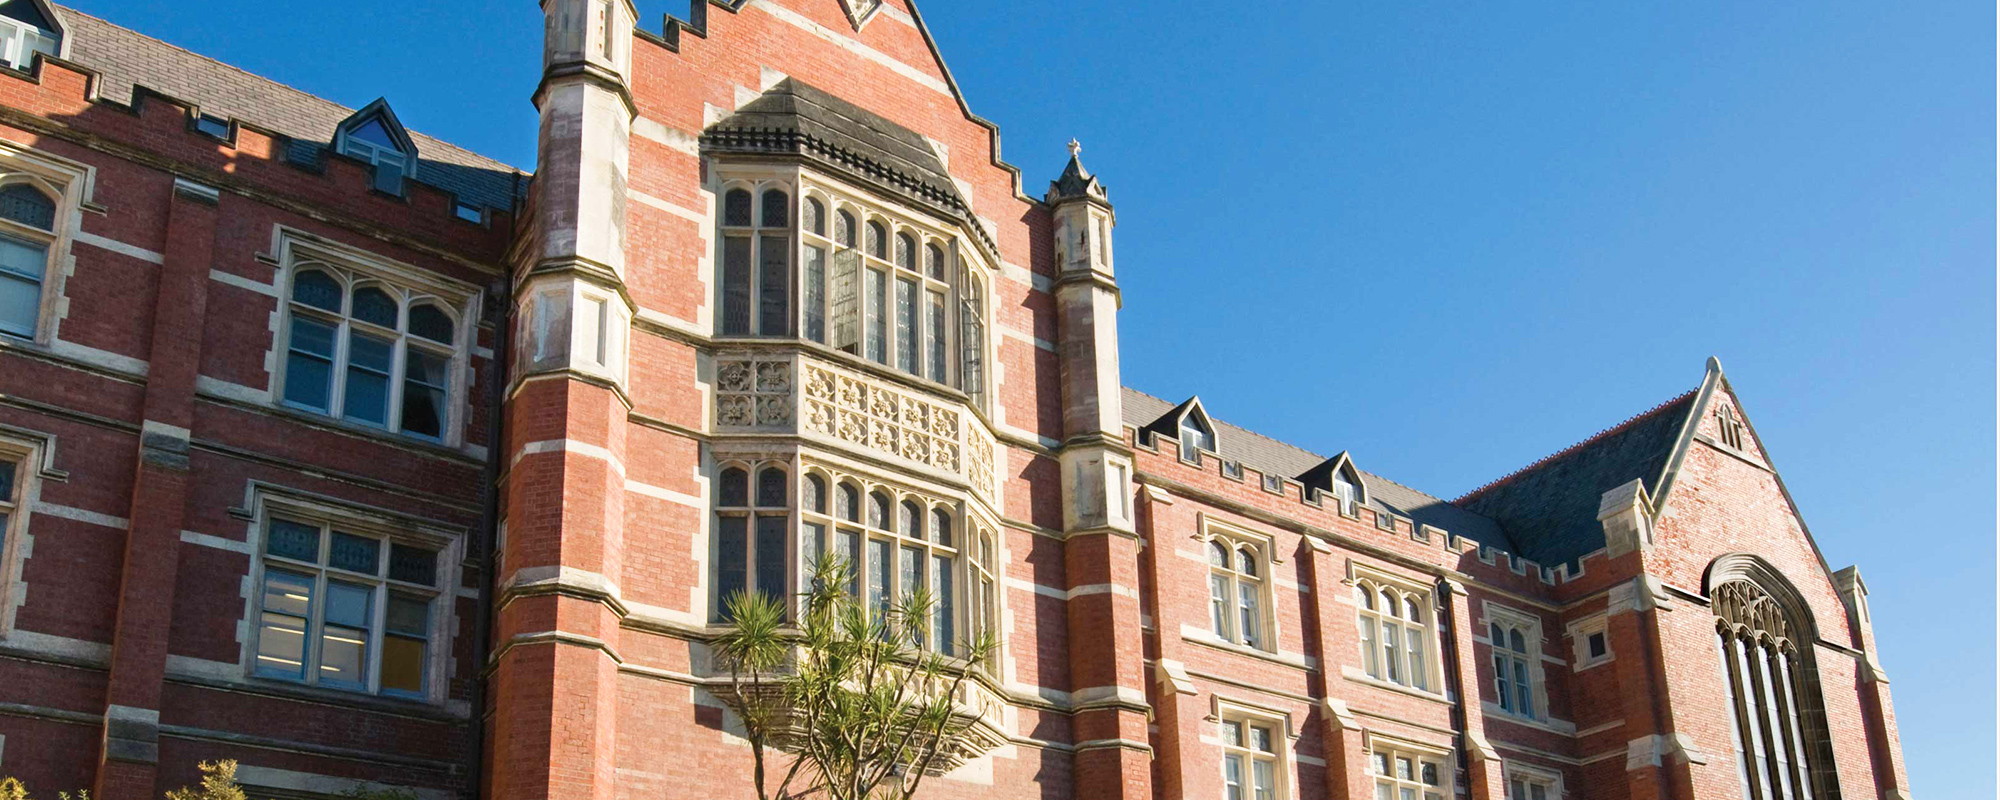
1455	237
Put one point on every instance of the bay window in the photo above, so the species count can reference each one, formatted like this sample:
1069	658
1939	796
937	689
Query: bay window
884	285
893	541
346	609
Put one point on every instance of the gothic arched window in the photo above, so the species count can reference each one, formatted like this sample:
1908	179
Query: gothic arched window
1776	720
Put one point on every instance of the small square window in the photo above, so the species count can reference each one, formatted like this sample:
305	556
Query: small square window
1597	646
1274	484
469	212
212	125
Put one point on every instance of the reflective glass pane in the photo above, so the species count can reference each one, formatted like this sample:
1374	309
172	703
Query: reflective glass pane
876	306
934	262
309	363
1430	773
1260	738
814	216
777	209
20	304
944	569
293	540
906	325
373	132
731	562
343	657
941	526
403	665
774	285
24	258
281	646
1514	641
906	252
375	307
408	616
878	511
1218	555
354	553
287	593
736	285
772	555
909	520
1232	734
815	499
815	294
349	605
1263	779
880	563
935	344
878	240
367	393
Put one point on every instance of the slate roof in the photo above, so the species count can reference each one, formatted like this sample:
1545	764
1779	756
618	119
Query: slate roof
795	118
1550	507
123	57
1268	455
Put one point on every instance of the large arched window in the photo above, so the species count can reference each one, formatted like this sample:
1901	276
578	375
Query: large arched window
1236	592
1396	633
756	263
1777	723
27	230
370	352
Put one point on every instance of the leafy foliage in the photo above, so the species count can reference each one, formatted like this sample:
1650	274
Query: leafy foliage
860	712
218	782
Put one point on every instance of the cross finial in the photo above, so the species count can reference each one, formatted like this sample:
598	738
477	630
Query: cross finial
1075	147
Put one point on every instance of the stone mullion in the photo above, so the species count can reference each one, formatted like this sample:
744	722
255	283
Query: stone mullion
1731	664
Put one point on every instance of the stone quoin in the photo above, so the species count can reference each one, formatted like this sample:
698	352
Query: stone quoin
365	460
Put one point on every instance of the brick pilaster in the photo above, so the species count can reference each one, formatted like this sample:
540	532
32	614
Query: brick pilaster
1107	667
1483	772
130	751
1335	637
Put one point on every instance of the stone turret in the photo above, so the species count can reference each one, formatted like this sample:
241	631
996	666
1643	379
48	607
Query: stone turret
1098	475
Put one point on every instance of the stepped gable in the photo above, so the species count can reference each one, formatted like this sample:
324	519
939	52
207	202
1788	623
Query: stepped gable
1268	455
1549	507
124	58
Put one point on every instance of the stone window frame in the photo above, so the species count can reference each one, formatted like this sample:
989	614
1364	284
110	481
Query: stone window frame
1225	711
353	267
1364	578
448	542
1382	749
33	455
1241	543
70	184
754	509
1579	632
1529	625
1513	770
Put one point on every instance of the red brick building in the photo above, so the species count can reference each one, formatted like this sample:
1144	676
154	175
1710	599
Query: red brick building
361	459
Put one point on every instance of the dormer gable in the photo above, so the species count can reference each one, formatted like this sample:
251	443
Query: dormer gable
28	27
1189	424
374	135
1337	477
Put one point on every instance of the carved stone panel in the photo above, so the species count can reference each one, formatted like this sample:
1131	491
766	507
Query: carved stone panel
753	392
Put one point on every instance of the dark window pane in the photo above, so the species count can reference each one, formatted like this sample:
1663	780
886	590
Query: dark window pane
730	569
348	605
408	616
847	505
424	394
290	539
309	364
815	494
735	489
843	233
27	205
815	300
906	252
878	240
735	286
367	393
403	665
317	289
412	564
906	325
432	323
877	324
934	261
736	208
777	209
846	298
878	511
936	343
941	527
815	216
910	520
771	488
6	484
771	556
354	553
375	307
946	610
774	286
373	131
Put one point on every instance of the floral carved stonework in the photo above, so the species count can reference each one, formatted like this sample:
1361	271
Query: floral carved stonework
753	393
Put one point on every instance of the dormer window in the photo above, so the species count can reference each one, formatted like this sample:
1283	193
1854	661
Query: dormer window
26	29
1196	436
373	135
1345	491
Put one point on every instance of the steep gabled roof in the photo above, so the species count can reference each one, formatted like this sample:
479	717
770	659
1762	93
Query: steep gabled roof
124	58
1549	507
1271	456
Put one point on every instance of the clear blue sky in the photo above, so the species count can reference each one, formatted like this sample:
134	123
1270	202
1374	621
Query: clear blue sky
1455	237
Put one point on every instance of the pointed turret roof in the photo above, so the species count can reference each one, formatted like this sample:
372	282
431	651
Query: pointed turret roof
1076	181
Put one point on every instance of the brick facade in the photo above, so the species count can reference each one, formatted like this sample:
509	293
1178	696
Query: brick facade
594	392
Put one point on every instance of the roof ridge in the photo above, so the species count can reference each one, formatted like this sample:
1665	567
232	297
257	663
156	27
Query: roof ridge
1593	438
273	81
